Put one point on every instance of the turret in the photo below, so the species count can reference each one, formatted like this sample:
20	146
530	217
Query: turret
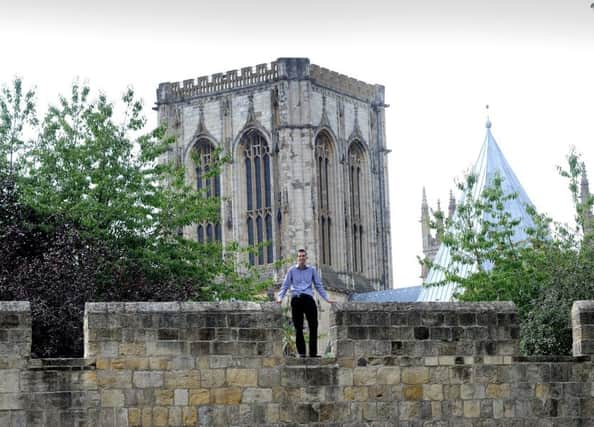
425	223
451	206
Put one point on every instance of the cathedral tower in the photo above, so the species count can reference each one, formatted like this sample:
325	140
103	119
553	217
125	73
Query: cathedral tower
308	166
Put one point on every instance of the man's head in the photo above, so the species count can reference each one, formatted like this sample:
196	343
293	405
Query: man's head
301	257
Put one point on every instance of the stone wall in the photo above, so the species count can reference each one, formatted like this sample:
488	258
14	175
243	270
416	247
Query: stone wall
190	364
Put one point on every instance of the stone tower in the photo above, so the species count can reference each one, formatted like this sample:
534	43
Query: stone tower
308	166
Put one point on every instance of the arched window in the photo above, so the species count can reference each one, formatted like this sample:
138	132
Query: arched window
210	184
323	153
257	166
355	165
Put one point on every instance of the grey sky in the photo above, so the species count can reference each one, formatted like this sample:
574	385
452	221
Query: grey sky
308	18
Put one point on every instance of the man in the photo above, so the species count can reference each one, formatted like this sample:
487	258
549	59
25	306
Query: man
301	278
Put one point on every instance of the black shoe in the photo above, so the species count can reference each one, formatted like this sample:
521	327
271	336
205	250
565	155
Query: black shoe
315	356
300	356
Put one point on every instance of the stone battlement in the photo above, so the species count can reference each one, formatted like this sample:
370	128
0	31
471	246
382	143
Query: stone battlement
190	364
283	68
219	82
345	84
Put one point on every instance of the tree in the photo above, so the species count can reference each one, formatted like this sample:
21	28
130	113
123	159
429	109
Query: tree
17	111
542	274
91	215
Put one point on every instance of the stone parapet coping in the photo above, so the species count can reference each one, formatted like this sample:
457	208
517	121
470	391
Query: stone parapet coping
154	307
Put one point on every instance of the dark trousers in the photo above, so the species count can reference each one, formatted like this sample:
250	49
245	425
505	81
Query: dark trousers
304	304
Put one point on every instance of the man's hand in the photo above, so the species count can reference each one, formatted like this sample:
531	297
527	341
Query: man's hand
278	301
331	301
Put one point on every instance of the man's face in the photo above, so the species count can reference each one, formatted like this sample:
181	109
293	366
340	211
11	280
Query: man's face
301	257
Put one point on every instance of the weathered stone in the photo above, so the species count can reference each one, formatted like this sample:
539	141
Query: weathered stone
112	398
412	392
199	396
160	416
114	379
9	381
189	416
472	409
163	397
212	377
226	396
259	395
242	377
355	393
134	417
415	375
182	379
365	376
146	379
433	392
436	383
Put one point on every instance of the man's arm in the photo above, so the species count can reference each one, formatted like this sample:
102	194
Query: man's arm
285	286
320	287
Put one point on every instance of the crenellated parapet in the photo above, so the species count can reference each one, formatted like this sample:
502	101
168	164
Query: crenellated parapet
216	83
347	85
15	333
582	320
222	364
283	68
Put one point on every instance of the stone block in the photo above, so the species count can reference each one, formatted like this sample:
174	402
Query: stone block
175	416
294	376
415	375
226	396
182	378
160	416
269	377
9	381
190	417
365	376
112	399
242	377
472	409
412	392
134	417
114	379
355	393
147	379
163	397
199	396
180	397
212	377
433	392
256	395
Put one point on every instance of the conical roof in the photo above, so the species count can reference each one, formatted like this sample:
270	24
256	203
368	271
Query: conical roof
489	164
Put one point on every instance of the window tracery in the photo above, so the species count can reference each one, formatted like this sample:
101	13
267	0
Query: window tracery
204	160
257	167
355	165
323	153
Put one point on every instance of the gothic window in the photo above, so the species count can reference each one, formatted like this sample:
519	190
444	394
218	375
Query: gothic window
323	153
256	158
355	165
210	184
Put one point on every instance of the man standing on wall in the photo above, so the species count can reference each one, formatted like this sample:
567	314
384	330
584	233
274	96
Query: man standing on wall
301	278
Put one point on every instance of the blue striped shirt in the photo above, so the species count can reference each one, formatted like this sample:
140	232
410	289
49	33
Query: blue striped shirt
301	281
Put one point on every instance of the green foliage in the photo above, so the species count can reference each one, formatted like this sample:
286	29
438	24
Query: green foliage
542	274
91	183
17	111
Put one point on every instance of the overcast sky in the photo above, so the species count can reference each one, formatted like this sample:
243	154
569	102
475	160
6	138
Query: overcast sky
440	61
